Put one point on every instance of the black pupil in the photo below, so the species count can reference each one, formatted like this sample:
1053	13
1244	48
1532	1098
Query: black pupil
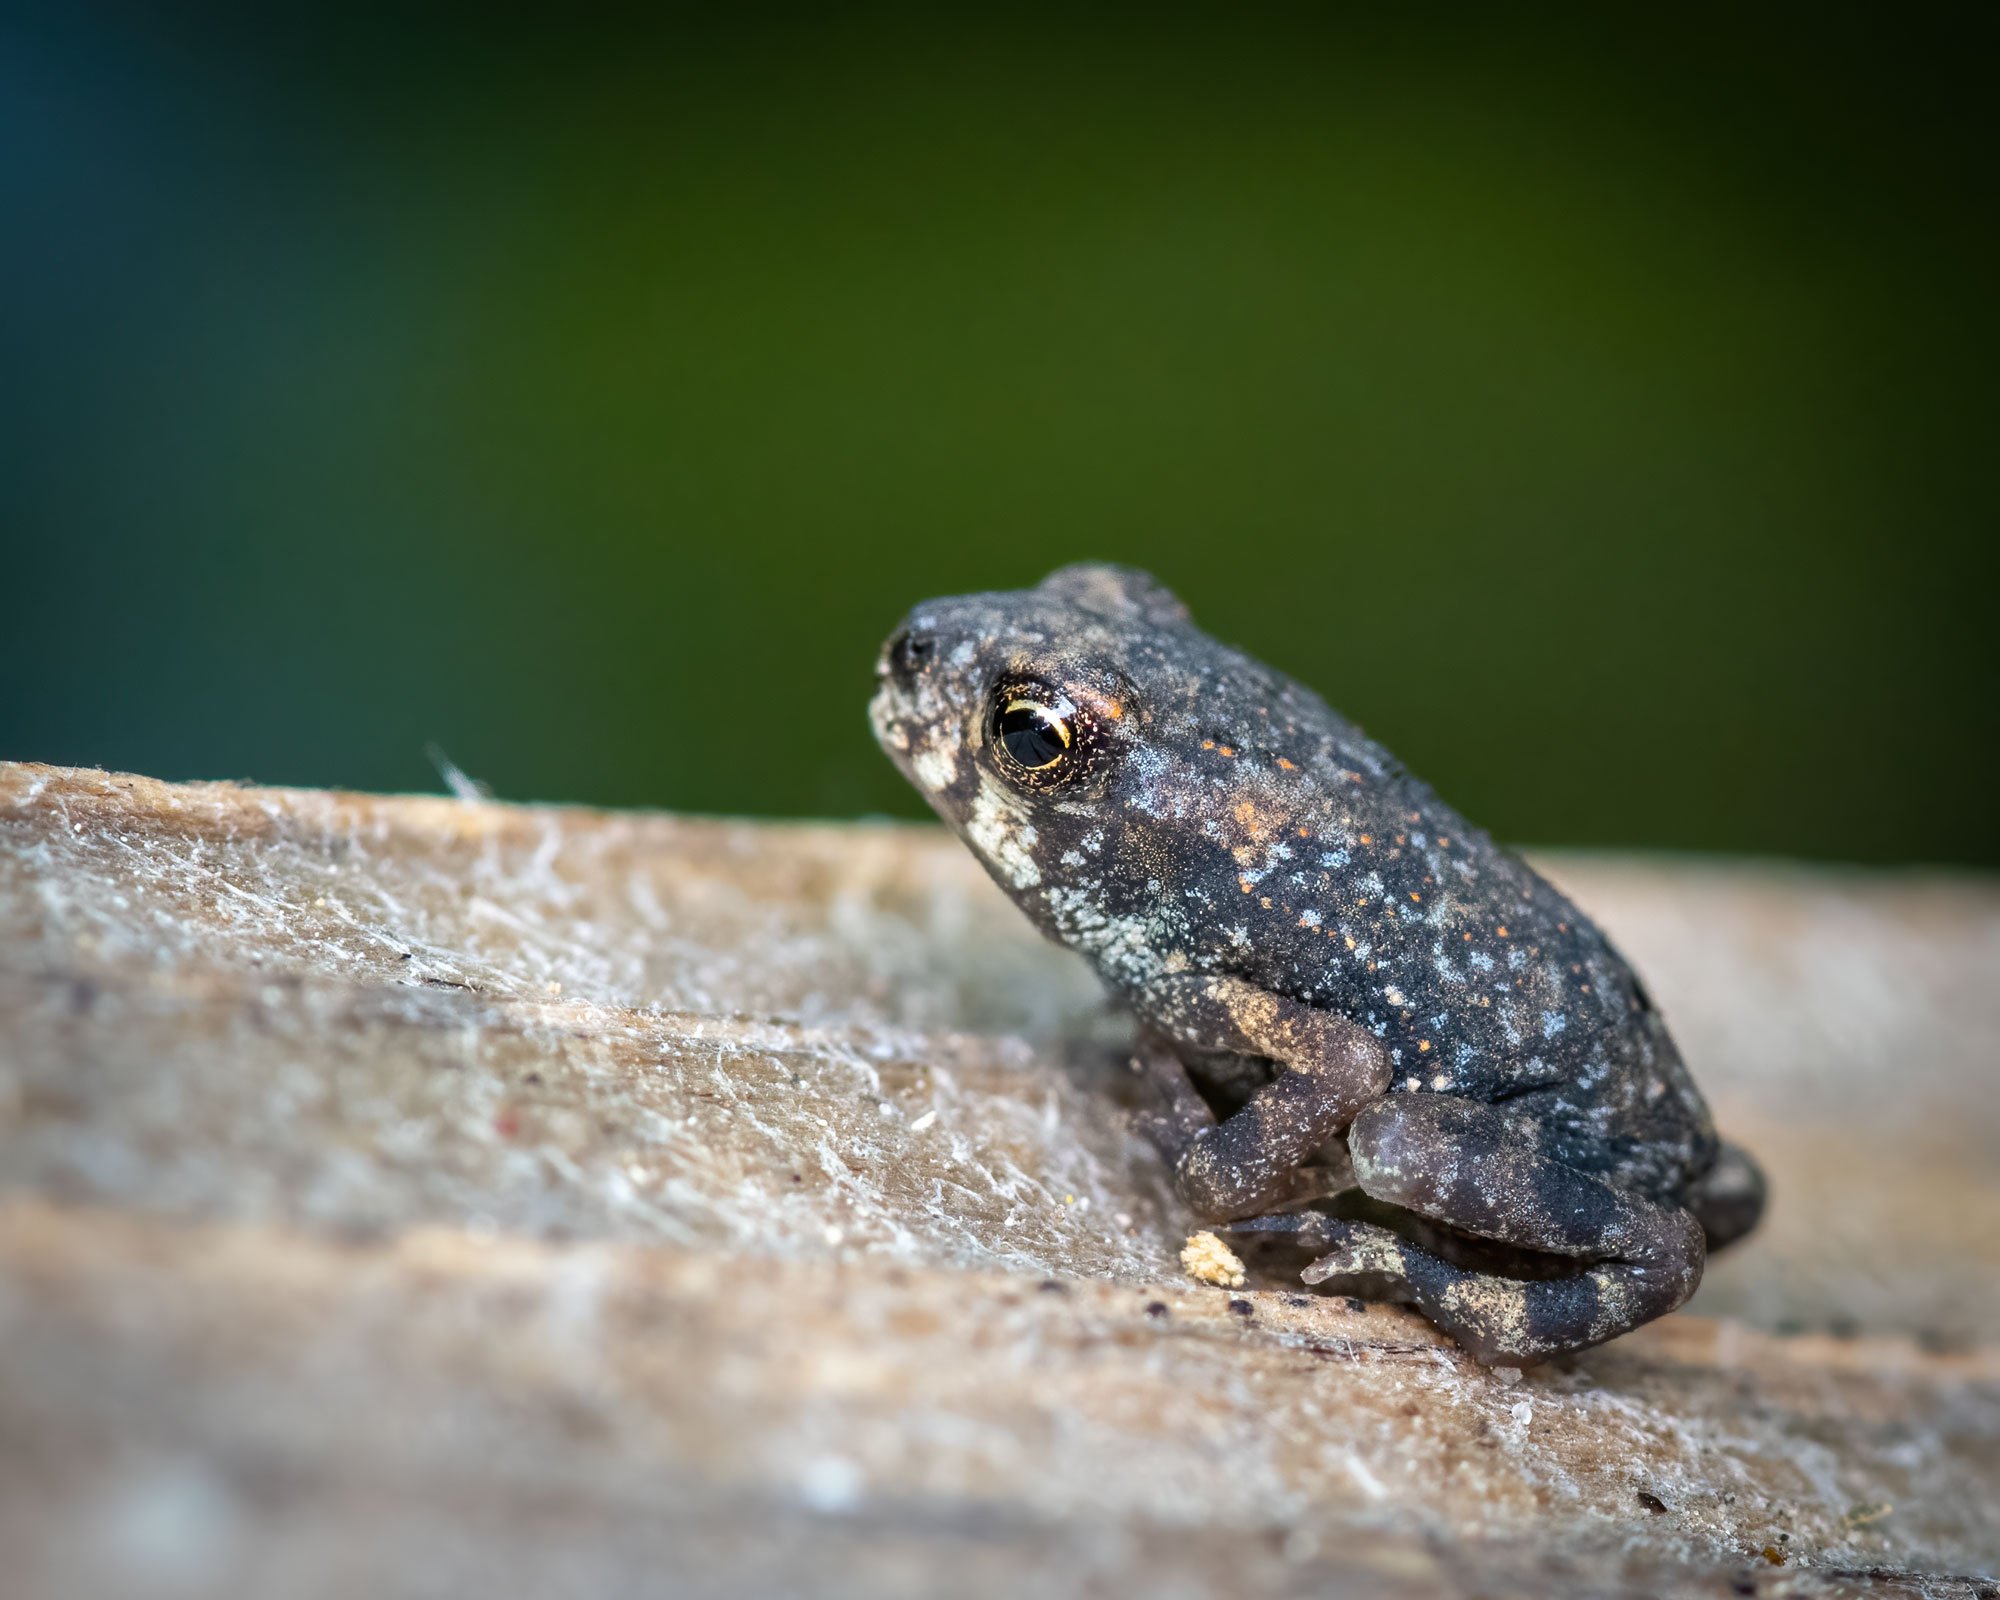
1031	735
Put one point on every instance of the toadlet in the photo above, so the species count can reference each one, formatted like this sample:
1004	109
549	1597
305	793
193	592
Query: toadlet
1372	1032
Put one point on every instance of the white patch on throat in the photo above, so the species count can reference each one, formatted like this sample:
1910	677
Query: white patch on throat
1003	837
935	766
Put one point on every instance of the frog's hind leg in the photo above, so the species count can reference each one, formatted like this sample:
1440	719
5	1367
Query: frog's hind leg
1464	1164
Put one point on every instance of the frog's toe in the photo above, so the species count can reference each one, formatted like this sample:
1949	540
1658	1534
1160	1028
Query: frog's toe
1362	1259
1304	1230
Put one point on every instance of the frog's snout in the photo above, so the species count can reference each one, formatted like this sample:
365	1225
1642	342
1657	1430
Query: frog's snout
928	678
901	672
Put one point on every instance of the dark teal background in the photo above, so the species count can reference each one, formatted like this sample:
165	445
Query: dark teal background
1599	411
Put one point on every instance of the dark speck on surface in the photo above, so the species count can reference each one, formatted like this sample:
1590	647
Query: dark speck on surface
1242	1308
1157	1308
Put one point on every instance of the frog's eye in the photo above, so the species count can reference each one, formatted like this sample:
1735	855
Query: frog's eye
1031	734
1036	734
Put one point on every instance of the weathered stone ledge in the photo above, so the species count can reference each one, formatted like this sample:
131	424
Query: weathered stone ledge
410	1194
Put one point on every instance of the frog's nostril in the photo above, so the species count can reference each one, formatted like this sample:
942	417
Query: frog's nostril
910	653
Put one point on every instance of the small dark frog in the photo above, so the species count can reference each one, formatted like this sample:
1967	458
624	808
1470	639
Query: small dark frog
1373	1033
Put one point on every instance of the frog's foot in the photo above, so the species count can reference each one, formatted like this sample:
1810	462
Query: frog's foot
1466	1165
1298	1230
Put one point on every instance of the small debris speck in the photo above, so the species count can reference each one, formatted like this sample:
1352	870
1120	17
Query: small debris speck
1206	1259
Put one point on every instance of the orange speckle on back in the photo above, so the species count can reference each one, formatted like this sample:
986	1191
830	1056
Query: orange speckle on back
1423	1044
1225	750
1416	897
1367	838
1114	710
1286	764
1252	821
1502	931
1243	884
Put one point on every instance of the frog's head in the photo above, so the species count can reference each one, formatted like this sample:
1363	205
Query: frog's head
1050	728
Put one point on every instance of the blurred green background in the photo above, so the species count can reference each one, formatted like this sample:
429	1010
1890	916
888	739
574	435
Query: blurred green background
1596	409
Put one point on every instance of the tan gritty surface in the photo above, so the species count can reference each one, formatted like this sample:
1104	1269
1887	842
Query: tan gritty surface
413	1196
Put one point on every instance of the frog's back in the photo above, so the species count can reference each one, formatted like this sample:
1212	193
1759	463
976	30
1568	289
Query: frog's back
1376	899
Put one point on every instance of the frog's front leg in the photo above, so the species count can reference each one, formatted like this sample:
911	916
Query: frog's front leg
1329	1068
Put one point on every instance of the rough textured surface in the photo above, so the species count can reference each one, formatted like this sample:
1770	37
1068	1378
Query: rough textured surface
411	1194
